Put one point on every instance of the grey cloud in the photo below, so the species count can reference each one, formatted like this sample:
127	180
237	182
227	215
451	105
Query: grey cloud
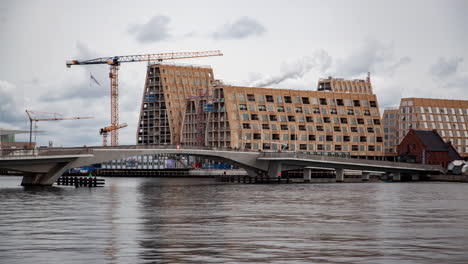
319	61
9	111
241	28
444	67
372	56
156	29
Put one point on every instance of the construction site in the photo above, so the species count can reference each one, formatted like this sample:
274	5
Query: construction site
186	105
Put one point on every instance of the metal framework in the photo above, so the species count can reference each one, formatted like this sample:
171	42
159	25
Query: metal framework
114	63
105	130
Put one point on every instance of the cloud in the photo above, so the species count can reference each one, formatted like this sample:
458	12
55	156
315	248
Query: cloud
320	61
372	56
9	106
449	77
155	30
243	27
82	87
445	67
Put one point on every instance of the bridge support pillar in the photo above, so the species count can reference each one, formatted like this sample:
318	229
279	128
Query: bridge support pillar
365	175
45	179
274	169
396	176
339	175
307	175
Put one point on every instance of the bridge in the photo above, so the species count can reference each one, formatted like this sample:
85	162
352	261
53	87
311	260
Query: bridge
45	166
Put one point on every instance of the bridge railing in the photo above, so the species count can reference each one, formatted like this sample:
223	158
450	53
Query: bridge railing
15	152
309	156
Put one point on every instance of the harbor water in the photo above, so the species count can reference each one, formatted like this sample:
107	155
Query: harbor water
164	220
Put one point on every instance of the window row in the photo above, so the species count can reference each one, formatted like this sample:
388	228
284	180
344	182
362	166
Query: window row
303	100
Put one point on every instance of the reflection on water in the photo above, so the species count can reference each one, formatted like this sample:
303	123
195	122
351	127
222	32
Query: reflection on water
144	220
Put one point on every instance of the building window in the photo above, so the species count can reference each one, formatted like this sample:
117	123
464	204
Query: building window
356	103
257	136
302	127
265	126
245	117
309	119
336	129
362	139
254	117
319	128
339	102
275	137
298	109
354	148
287	99
305	100
337	147
280	109
291	119
303	146
293	137
326	119
344	120
311	137
273	118
242	107
246	125
241	97
251	97
373	103
297	100
269	98
346	138
284	127
323	101
261	108
329	138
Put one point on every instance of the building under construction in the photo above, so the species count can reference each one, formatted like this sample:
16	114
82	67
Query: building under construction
185	105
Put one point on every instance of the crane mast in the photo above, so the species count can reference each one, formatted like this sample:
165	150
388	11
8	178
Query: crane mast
114	63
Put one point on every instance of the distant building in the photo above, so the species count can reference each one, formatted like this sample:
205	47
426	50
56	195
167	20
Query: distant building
390	121
426	147
8	140
448	117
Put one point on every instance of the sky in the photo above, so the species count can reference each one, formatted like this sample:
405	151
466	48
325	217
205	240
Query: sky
411	48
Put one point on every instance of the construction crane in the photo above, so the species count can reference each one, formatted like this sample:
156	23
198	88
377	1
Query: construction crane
105	130
54	118
114	63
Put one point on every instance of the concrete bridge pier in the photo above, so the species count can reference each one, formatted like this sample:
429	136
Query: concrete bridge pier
365	175
339	175
47	178
396	176
307	175
274	169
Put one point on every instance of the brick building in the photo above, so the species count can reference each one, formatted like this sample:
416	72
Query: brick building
426	147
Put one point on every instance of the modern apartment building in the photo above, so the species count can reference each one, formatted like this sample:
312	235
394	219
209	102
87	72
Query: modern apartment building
185	105
346	123
167	89
448	117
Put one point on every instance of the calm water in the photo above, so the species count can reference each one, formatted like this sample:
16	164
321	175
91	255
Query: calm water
143	220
